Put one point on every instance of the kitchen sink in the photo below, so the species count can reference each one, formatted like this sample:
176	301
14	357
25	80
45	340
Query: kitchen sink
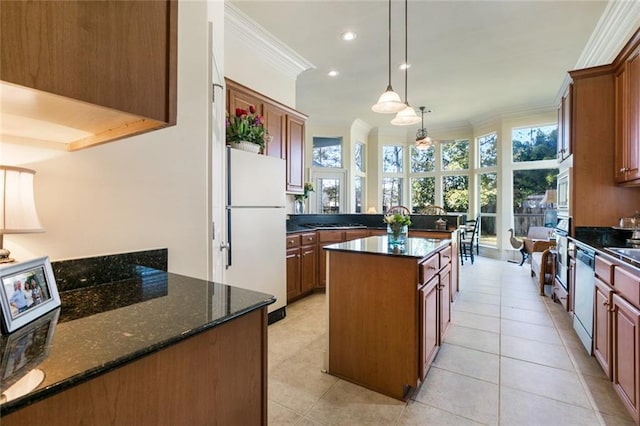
631	253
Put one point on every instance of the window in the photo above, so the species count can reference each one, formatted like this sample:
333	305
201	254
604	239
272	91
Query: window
488	183
423	191
455	193
392	159
359	157
391	193
329	199
327	152
455	155
534	177
488	149
487	187
535	143
423	160
358	192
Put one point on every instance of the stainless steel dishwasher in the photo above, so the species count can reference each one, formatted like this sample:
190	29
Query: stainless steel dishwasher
583	296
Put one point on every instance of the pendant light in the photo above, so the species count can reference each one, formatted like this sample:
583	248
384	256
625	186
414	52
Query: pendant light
407	116
423	141
389	102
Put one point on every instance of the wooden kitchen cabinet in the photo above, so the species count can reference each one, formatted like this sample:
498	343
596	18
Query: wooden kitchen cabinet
602	325
285	125
429	340
295	154
627	114
301	263
118	55
564	125
626	359
327	237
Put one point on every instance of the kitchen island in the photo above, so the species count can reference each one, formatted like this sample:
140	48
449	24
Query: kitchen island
175	350
388	309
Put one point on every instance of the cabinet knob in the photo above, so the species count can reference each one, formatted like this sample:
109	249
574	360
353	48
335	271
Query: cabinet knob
623	169
605	303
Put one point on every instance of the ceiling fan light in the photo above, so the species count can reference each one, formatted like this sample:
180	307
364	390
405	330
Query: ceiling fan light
406	117
423	144
388	103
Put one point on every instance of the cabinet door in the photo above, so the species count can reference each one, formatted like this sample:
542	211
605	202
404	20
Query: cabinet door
626	322
428	325
121	55
445	302
564	125
621	135
308	262
633	117
275	122
293	273
295	154
602	325
239	99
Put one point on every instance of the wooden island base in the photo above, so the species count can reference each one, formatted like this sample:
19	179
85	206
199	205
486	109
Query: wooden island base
387	312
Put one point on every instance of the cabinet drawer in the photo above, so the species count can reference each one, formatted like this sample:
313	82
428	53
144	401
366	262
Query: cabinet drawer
308	238
627	285
429	268
445	256
293	241
604	269
327	236
354	234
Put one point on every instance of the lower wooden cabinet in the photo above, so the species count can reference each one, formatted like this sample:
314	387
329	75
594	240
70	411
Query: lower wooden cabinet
602	325
626	360
302	260
429	340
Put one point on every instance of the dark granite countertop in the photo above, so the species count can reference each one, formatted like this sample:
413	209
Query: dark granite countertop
418	248
306	222
100	328
601	238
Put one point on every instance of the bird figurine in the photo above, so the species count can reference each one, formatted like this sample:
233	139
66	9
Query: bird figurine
518	245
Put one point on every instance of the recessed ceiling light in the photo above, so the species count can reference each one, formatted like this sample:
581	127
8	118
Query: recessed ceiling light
403	66
333	73
348	36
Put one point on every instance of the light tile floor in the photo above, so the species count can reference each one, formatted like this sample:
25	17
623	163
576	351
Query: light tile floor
510	357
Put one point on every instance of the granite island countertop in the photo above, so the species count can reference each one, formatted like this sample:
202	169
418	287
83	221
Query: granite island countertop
81	340
418	248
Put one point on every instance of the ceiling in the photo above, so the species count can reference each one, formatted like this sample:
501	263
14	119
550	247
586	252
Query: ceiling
470	60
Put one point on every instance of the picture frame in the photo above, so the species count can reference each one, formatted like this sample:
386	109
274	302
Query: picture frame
27	291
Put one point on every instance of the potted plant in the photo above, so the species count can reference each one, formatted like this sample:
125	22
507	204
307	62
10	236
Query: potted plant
301	198
398	221
245	130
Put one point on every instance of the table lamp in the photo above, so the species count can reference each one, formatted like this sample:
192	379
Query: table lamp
17	206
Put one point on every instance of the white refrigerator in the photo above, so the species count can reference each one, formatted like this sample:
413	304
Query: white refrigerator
256	225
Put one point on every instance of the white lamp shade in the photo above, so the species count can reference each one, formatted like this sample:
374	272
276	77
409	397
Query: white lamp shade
388	103
17	206
406	117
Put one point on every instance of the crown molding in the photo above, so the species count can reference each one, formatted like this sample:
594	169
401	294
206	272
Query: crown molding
361	125
263	44
619	21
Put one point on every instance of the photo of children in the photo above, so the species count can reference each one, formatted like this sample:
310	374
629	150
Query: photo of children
25	290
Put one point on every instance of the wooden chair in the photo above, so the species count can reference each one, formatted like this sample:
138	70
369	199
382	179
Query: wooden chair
469	240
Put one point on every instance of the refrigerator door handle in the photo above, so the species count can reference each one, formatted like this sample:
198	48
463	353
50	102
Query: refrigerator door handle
227	245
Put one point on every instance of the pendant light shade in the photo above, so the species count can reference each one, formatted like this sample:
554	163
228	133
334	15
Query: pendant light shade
423	141
389	102
407	116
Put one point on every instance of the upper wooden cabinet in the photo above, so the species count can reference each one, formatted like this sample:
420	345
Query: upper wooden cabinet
285	126
627	138
564	125
118	57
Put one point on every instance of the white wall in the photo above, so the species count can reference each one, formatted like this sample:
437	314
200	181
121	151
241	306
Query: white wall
147	191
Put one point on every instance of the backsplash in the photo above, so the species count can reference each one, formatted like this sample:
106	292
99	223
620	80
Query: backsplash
86	272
